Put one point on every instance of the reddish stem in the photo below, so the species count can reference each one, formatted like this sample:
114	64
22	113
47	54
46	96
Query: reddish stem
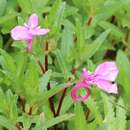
30	111
18	127
89	21
73	71
48	86
55	127
61	102
43	71
88	113
127	36
41	66
51	101
46	57
22	103
113	19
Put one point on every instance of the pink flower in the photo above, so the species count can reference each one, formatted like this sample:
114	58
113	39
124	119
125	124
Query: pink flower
74	92
102	77
28	31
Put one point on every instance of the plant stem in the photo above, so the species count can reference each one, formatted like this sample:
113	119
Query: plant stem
46	57
51	102
55	127
48	86
89	21
22	103
73	71
127	36
61	102
18	127
30	111
113	19
41	66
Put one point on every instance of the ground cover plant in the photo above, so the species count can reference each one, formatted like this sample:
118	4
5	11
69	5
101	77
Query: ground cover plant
64	65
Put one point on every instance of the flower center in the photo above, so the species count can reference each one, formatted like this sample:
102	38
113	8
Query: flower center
82	92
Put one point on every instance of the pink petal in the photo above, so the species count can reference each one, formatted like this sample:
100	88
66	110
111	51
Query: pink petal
38	31
20	33
85	73
74	92
107	86
107	71
33	21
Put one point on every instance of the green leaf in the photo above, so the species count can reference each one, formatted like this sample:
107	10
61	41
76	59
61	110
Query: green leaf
86	51
3	4
44	80
108	9
115	31
21	62
80	121
58	120
56	15
109	120
7	62
11	103
7	123
97	43
6	18
79	44
8	105
26	6
120	115
93	106
81	5
124	74
128	125
8	21
44	96
39	6
31	82
70	10
91	49
1	41
61	62
67	38
67	103
26	121
3	102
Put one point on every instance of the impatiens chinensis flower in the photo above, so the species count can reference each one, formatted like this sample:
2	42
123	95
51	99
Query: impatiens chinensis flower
103	77
28	31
